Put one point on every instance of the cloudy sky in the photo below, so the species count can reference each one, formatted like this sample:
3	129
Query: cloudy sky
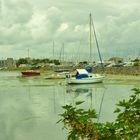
35	24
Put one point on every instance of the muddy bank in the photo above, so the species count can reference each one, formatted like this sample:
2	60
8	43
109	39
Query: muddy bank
120	70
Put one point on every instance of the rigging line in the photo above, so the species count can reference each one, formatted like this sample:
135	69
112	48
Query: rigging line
53	50
101	106
90	38
54	99
61	53
53	54
94	34
78	54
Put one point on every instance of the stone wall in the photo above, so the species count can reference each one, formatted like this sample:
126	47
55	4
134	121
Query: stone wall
135	70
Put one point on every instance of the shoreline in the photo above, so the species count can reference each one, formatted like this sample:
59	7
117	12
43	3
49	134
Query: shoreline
110	73
112	79
122	79
128	71
118	76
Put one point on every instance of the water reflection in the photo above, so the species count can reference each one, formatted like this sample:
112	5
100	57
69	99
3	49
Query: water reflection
92	94
83	88
16	115
29	107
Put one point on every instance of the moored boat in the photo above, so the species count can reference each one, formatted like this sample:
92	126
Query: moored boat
83	77
30	73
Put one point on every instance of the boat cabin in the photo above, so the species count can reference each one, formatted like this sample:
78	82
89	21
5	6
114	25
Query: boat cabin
81	73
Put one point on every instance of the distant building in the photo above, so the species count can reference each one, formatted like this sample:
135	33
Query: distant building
10	62
116	60
2	63
23	65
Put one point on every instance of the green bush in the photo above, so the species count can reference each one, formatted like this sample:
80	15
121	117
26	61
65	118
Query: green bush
81	124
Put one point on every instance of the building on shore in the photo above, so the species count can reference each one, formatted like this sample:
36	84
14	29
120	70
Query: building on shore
2	63
8	63
116	60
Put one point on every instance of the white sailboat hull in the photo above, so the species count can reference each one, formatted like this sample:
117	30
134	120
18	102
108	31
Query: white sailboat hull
91	79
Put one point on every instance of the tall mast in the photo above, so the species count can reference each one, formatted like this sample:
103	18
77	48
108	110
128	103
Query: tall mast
28	52
61	58
63	52
28	57
94	34
90	38
53	51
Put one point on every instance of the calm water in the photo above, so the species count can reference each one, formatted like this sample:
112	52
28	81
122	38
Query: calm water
29	107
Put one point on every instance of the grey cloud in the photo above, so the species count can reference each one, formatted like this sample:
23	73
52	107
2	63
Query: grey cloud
17	11
37	23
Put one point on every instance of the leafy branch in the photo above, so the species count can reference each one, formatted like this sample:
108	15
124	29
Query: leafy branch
82	126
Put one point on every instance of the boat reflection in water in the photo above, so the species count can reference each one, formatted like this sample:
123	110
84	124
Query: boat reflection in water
91	94
83	88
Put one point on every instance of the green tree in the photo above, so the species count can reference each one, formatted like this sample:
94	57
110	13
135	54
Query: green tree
56	62
22	61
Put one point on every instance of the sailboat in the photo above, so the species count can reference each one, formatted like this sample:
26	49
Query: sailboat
82	76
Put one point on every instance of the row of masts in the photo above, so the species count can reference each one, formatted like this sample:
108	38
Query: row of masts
61	57
92	34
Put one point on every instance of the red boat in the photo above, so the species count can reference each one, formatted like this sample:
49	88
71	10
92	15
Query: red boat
30	73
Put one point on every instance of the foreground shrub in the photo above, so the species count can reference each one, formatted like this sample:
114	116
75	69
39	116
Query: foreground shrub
82	124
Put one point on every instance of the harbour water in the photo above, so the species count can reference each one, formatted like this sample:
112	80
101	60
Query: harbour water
30	106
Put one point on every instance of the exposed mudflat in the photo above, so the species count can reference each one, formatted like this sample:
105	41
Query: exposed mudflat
122	79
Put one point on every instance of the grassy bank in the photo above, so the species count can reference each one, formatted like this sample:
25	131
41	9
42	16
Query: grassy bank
120	70
130	71
26	68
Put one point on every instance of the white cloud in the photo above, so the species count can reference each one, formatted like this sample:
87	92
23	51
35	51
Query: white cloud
63	27
37	23
81	28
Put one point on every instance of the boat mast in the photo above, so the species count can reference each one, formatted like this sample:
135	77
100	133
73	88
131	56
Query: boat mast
90	38
53	51
28	53
94	34
61	58
63	52
28	57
